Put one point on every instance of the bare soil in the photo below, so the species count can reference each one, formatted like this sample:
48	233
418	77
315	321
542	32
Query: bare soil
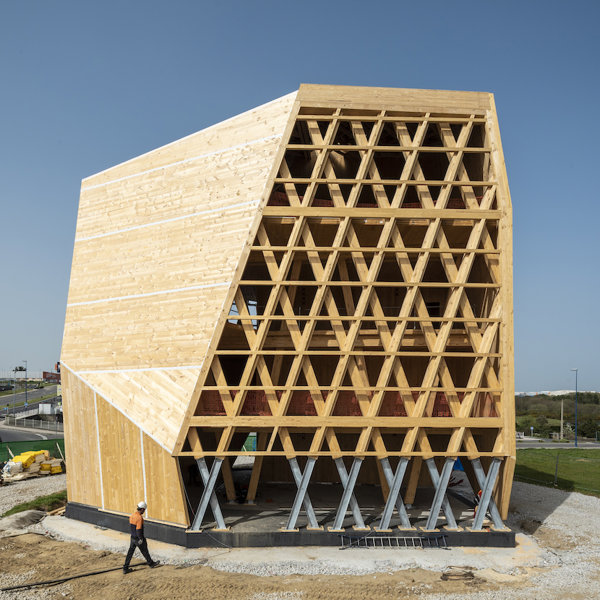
557	556
35	557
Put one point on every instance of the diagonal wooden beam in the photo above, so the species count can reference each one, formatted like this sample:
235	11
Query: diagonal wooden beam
290	188
221	381
322	290
275	293
372	171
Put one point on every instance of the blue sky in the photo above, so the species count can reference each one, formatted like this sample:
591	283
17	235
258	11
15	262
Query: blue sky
85	85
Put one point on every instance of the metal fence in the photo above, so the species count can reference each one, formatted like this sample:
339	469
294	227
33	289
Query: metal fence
52	426
568	469
32	405
26	412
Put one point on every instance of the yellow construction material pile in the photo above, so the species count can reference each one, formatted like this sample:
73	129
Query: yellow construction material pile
31	464
50	467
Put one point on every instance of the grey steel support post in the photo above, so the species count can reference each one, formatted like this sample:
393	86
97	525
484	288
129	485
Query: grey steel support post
208	495
440	499
341	468
302	480
347	495
394	481
486	501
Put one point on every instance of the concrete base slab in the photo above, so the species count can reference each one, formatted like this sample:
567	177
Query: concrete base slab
264	534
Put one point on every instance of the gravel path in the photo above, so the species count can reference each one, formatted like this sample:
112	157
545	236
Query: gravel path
575	516
567	527
23	491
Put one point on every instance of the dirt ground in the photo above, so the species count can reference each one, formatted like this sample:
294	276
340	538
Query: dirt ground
34	557
557	556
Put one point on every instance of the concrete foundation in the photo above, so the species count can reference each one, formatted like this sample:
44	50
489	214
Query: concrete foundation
261	524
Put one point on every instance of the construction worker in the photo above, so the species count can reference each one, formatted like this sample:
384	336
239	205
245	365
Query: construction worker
136	525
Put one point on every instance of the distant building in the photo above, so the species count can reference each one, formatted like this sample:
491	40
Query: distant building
51	377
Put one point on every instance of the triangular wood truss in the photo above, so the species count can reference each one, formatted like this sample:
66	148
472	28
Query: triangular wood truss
367	319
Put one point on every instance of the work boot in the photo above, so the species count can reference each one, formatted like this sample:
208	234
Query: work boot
126	570
154	563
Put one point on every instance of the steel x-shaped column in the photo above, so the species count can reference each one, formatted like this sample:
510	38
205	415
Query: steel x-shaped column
348	481
302	480
440	482
208	495
487	487
394	499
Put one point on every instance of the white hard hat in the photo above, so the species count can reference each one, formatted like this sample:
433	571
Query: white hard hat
142	504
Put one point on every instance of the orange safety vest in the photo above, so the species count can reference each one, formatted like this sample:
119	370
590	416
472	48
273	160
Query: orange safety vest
136	525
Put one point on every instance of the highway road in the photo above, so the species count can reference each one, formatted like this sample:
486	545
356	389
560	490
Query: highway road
32	396
522	444
15	434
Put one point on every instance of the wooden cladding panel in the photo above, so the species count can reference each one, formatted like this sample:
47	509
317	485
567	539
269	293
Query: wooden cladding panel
200	250
262	121
122	469
210	183
139	311
155	400
164	486
81	442
121	451
166	330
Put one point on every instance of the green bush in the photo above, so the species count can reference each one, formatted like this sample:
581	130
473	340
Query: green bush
587	428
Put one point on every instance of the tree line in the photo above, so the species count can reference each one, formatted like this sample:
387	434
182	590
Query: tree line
537	410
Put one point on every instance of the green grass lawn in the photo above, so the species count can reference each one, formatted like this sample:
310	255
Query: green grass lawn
46	503
578	470
521	427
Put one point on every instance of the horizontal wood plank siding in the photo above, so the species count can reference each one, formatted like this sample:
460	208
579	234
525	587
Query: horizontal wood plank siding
211	183
200	250
167	330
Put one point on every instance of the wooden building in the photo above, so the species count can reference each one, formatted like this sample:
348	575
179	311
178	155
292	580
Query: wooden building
331	270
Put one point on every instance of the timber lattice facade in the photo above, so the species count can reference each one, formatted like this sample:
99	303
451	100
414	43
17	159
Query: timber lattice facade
332	271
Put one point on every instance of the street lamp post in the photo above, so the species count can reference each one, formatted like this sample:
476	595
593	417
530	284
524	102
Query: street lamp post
15	393
575	406
19	368
25	382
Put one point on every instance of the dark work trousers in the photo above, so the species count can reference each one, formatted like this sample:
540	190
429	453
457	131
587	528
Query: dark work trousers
143	548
